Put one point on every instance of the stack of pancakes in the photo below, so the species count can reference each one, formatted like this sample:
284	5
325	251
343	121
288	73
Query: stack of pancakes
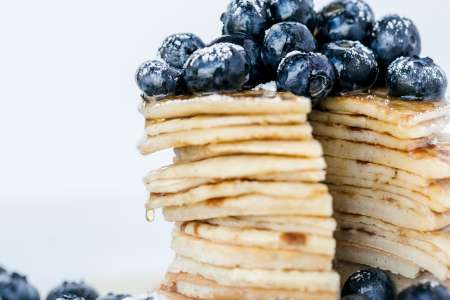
389	175
252	220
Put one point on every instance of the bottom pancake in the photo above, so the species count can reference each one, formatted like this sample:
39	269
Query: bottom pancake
305	281
198	287
359	254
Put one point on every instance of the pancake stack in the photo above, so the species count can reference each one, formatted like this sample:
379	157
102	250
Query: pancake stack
251	219
389	175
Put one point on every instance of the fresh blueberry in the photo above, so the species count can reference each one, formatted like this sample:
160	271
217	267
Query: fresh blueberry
355	297
258	73
294	10
355	65
70	297
176	48
14	286
79	289
392	37
283	38
414	78
113	296
306	74
345	20
220	67
251	17
156	78
373	283
425	291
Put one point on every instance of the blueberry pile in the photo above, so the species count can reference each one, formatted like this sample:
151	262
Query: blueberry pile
375	284
339	49
369	284
14	286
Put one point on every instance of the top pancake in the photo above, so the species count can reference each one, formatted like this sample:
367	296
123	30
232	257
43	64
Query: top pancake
401	112
246	103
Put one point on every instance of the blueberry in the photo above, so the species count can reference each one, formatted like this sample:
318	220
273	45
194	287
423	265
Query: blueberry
283	38
345	20
373	283
157	78
355	65
79	289
14	286
294	10
220	67
70	297
306	74
414	78
258	72
355	297
251	17
176	48
392	37
113	296
425	291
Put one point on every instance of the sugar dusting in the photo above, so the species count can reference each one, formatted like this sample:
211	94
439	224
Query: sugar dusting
220	51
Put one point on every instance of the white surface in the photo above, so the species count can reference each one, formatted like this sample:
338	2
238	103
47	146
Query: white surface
71	198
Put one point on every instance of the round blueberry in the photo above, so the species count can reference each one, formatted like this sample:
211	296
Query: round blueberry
373	283
156	78
113	296
306	74
251	17
345	20
425	291
355	297
294	10
392	37
258	73
414	78
79	289
283	38
14	286
355	65
70	297
176	48
220	67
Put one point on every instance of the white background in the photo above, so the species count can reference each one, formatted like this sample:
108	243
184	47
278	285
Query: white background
71	197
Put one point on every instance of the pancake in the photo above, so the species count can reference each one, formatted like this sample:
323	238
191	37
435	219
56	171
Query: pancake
307	148
401	212
399	112
157	127
261	238
236	188
162	294
376	172
306	281
292	224
415	255
437	204
194	137
245	103
359	254
368	136
182	184
237	166
251	205
432	162
420	130
247	257
200	288
435	243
